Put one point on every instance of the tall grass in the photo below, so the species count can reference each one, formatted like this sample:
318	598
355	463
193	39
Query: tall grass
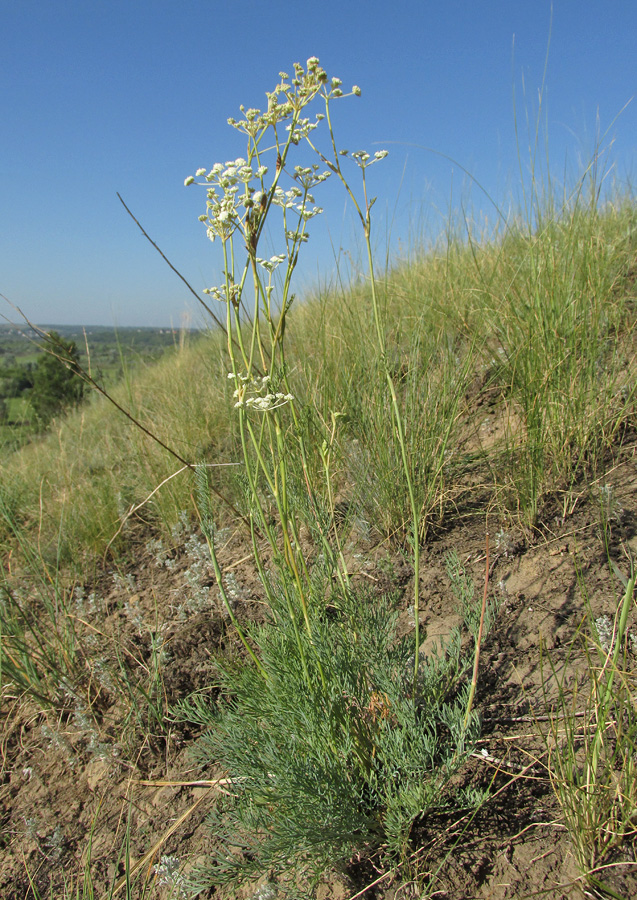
563	372
40	650
96	467
592	737
56	652
543	319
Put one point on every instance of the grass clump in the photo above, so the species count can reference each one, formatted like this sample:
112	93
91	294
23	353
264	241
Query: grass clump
432	378
84	487
592	739
57	651
40	649
553	311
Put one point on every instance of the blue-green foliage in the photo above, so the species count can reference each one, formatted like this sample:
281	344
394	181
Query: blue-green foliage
345	765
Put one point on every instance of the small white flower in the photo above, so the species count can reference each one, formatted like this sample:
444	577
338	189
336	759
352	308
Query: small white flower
270	264
189	180
309	214
295	236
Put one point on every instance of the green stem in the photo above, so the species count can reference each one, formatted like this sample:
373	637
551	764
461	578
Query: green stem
366	223
602	713
403	451
476	660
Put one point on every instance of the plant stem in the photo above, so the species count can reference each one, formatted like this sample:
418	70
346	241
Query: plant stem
476	661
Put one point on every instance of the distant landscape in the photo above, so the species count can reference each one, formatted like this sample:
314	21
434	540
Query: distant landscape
109	354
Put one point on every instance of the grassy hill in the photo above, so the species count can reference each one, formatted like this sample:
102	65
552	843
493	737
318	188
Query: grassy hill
512	370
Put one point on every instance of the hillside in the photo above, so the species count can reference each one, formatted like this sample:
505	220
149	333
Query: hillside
511	365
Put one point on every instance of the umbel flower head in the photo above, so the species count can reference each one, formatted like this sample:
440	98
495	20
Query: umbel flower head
254	393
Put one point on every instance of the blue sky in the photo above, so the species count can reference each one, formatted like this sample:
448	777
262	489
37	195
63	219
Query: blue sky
101	96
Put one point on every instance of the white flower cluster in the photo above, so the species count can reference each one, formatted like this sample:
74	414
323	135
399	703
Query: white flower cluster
309	176
363	159
227	208
286	200
231	200
249	393
288	97
303	128
223	293
270	264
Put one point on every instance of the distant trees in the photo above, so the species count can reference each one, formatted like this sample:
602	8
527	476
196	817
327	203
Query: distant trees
49	385
16	379
57	384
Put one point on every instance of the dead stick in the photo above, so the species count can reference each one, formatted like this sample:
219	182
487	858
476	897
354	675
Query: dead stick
176	271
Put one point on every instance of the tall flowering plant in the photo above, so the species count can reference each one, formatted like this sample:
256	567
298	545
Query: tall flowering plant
242	195
338	737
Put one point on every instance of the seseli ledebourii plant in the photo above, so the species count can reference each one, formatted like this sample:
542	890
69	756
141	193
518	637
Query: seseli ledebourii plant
239	201
337	736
